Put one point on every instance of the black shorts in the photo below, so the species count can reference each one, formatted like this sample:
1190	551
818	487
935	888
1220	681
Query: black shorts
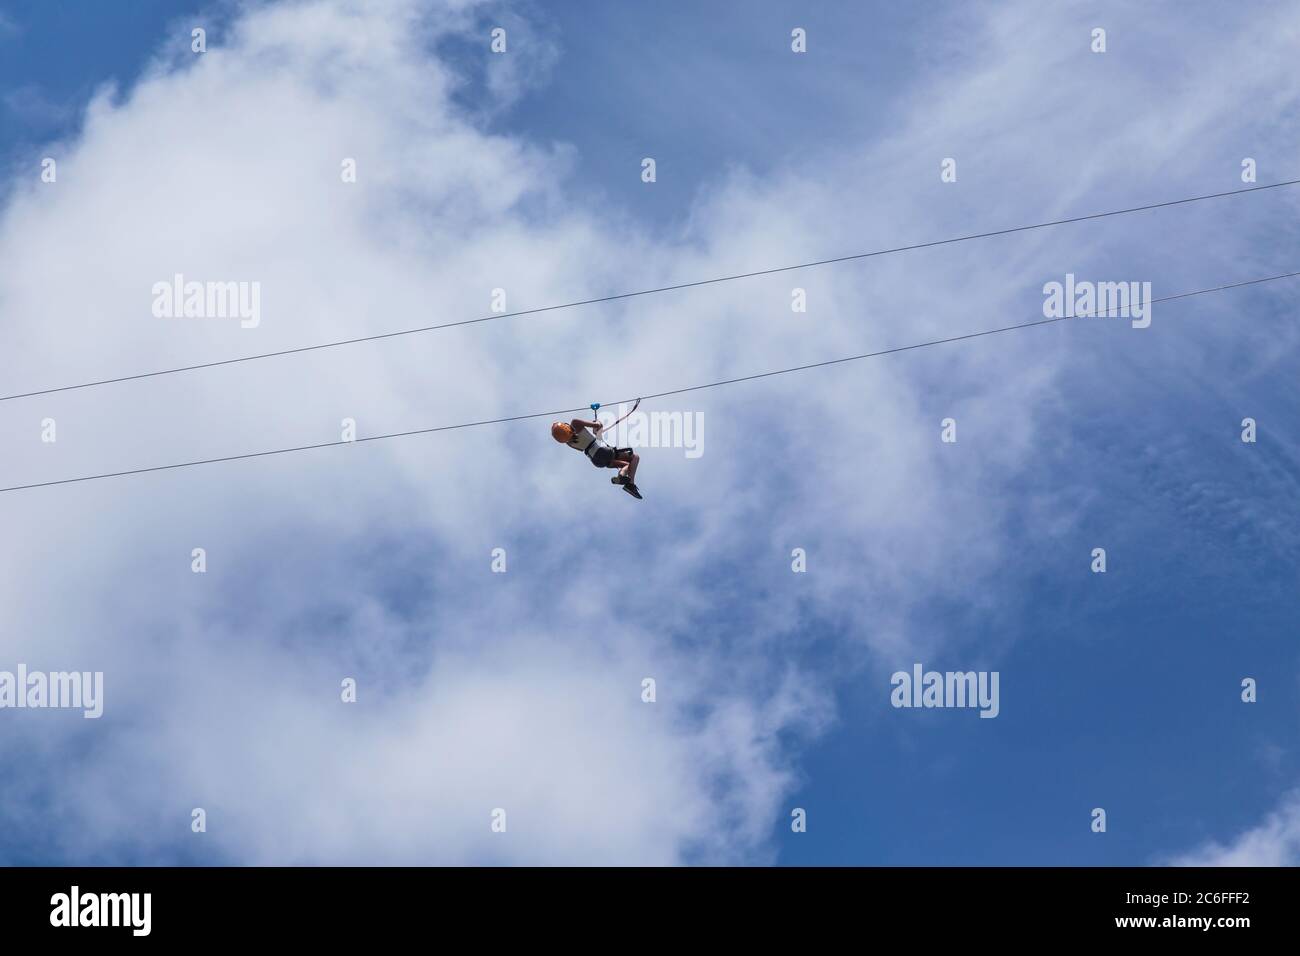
603	457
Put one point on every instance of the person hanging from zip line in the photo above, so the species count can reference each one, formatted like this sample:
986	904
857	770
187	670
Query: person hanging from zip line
584	436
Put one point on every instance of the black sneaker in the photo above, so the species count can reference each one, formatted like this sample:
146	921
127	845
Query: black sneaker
632	490
618	480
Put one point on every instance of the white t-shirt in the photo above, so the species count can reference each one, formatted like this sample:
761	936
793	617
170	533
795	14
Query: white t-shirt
586	442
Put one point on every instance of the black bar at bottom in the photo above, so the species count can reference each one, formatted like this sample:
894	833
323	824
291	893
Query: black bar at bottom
335	905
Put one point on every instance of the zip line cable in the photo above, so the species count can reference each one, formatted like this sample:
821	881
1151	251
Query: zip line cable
643	292
676	391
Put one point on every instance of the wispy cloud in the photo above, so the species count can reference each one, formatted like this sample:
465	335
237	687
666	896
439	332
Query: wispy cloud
1274	842
32	105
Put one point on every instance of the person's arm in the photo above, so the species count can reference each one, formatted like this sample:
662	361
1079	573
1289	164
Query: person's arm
578	424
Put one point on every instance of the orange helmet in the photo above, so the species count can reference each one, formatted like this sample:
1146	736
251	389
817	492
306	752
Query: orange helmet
562	432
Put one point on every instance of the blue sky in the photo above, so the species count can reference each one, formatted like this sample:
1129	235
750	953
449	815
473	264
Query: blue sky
1118	690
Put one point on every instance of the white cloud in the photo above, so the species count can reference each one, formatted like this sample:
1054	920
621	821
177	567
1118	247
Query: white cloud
223	690
1274	842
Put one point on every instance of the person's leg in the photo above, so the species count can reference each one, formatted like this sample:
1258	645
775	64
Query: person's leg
629	482
626	463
